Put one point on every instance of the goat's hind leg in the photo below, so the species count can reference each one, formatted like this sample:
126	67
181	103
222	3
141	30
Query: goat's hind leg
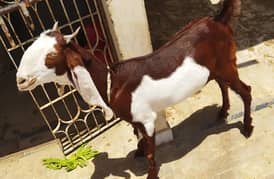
245	92
224	89
229	75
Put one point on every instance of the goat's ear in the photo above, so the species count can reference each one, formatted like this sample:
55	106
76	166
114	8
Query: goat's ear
68	38
83	82
80	76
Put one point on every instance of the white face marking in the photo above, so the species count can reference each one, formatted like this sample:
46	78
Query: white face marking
86	87
152	96
32	67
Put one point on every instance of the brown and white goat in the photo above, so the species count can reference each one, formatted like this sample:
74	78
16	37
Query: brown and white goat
140	87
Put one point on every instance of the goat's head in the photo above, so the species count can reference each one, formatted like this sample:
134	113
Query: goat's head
51	58
45	61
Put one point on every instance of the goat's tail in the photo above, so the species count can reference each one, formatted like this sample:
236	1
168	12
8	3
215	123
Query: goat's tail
231	9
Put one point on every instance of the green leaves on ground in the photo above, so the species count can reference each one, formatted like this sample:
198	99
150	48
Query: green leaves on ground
79	158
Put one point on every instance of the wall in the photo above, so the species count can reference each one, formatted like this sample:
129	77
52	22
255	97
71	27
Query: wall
130	27
254	25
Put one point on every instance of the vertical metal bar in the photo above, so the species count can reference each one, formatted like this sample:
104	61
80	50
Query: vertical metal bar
29	31
101	23
43	115
12	60
100	19
107	25
94	25
105	52
95	120
6	31
34	7
52	106
82	23
74	97
26	15
66	15
50	10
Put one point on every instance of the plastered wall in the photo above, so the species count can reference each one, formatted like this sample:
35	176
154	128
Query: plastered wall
129	27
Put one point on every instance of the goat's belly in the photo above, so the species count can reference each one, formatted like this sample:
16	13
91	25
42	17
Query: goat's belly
159	94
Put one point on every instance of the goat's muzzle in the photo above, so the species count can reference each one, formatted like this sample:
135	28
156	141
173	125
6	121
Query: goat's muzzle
24	84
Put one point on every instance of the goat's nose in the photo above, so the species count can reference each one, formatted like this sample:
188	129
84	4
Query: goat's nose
20	80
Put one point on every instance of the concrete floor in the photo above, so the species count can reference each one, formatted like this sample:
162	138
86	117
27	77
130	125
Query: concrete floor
202	148
219	151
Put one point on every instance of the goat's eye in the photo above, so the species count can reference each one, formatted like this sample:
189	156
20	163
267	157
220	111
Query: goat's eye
53	54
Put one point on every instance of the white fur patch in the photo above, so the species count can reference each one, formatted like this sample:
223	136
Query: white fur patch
152	95
86	87
33	60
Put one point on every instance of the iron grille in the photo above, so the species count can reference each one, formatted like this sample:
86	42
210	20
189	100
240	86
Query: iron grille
67	117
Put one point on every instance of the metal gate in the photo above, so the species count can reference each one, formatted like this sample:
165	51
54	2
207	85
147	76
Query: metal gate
67	117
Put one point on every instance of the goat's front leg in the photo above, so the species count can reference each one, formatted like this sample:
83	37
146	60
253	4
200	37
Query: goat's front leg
148	149
141	143
150	155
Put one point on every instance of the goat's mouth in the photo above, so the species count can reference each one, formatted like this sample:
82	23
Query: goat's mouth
24	85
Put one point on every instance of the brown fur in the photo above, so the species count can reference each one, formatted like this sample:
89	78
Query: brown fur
57	60
231	9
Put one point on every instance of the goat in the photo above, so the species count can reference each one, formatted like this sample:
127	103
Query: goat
203	50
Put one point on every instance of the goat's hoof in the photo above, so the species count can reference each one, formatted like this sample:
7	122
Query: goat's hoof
139	153
153	174
247	131
222	115
149	177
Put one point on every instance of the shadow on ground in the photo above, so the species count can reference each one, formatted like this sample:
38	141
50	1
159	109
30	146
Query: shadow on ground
187	135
